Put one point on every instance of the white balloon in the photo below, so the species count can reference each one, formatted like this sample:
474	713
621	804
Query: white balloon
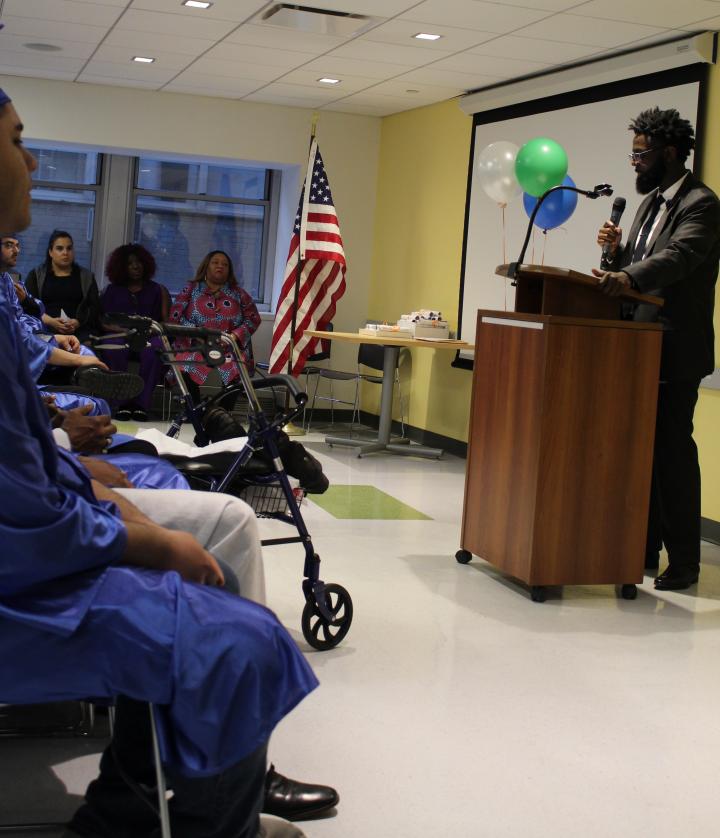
495	170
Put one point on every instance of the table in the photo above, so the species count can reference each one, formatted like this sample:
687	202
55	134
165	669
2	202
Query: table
391	351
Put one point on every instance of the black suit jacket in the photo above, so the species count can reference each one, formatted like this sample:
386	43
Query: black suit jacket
681	266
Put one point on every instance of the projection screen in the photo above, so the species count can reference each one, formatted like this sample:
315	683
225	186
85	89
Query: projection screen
592	127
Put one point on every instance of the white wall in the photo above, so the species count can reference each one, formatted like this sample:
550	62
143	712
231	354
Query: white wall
130	121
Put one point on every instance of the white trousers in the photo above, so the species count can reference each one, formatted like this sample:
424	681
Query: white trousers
225	526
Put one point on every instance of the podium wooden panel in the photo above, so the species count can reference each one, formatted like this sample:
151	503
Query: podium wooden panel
560	446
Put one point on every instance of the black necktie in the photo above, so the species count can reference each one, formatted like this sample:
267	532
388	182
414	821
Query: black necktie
639	249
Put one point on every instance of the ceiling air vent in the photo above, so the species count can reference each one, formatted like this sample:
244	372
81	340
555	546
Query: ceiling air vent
316	21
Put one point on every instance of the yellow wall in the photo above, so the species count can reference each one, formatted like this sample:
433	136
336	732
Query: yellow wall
419	219
416	262
707	415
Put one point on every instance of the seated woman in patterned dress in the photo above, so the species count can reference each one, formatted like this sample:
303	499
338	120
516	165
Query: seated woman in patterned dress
215	300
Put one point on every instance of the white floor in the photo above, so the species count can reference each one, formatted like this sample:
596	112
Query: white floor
458	707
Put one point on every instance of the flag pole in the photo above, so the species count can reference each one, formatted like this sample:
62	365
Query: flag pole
290	429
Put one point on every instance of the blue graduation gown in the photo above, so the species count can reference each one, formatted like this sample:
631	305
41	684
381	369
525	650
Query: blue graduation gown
74	623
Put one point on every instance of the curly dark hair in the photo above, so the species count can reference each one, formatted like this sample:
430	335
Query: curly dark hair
666	128
116	268
203	266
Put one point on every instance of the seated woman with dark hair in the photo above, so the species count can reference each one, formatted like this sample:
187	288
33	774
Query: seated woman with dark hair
215	300
130	270
68	290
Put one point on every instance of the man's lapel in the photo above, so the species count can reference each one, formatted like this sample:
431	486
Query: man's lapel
669	213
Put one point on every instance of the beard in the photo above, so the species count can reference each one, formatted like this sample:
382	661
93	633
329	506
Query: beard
645	182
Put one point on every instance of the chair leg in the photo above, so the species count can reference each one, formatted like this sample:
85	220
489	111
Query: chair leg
312	406
161	788
400	400
356	406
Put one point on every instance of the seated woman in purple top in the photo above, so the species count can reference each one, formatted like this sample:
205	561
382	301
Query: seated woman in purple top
131	290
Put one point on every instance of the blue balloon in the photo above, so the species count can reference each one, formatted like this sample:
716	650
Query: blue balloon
555	209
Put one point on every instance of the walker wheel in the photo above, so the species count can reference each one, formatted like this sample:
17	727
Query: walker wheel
321	633
629	592
463	556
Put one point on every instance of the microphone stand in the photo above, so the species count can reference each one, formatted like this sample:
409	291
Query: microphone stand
596	192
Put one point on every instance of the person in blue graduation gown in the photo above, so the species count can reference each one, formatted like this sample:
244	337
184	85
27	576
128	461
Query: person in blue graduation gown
96	600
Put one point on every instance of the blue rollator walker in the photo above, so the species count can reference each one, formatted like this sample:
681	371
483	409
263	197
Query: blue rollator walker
255	473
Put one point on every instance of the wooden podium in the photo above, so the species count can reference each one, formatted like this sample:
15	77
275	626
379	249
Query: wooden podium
561	436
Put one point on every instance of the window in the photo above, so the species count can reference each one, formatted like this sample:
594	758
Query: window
64	196
184	210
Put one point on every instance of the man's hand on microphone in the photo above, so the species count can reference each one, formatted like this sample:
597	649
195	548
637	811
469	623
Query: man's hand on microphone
610	234
612	283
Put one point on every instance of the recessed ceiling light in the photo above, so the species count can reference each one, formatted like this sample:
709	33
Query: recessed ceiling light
43	47
141	59
329	81
427	36
196	4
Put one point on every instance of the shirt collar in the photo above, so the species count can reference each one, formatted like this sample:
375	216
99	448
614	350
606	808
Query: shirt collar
672	190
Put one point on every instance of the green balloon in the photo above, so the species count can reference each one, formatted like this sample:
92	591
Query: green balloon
540	164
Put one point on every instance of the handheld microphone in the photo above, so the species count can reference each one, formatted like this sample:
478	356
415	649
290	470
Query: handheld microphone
618	208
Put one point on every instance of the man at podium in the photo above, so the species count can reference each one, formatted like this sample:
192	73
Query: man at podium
672	252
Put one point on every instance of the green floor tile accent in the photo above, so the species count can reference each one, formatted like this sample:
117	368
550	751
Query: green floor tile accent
366	502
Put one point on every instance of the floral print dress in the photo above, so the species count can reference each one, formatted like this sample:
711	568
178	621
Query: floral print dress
231	309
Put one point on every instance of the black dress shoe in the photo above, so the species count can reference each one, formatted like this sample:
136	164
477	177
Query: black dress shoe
114	386
676	579
296	801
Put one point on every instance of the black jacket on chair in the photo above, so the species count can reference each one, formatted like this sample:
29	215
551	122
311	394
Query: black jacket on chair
681	267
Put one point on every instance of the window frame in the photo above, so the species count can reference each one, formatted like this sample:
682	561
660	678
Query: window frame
98	188
269	203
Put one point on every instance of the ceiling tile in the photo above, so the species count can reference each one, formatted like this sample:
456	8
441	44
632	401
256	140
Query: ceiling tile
491	65
663	13
400	87
68	49
591	32
192	78
547	5
67	11
150	73
124	55
447	78
388	104
258	55
236	69
272	37
401	32
50	31
518	46
90	78
226	10
187	26
290	99
140	41
360	109
409	55
348	84
329	65
474	14
317	92
31	59
36	72
213	92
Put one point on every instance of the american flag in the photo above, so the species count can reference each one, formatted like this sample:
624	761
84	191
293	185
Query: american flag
316	241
